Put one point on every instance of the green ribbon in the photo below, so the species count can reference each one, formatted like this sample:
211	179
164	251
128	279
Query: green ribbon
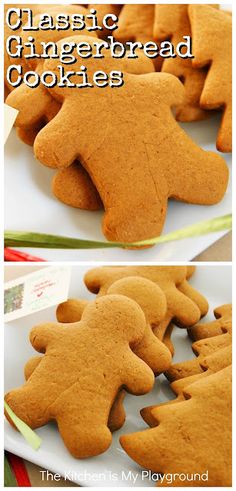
30	436
31	239
9	478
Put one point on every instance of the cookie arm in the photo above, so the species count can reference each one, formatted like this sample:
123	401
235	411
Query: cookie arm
195	296
31	366
31	103
96	278
183	309
54	145
138	378
42	335
71	310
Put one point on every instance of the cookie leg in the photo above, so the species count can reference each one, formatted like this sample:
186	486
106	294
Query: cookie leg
195	296
29	405
207	178
82	422
84	440
74	187
117	414
131	222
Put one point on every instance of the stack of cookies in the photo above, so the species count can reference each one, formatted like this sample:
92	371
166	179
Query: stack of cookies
123	149
118	343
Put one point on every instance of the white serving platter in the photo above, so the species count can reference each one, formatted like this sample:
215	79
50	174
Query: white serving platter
30	206
108	469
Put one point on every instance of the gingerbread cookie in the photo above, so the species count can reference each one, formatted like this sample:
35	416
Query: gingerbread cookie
172	23
73	186
185	308
212	363
212	47
223	323
201	349
153	303
156	143
91	361
178	445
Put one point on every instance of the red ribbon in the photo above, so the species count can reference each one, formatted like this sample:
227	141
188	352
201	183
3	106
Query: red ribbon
19	469
17	256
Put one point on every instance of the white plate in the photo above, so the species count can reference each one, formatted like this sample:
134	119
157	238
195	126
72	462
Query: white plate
212	281
30	206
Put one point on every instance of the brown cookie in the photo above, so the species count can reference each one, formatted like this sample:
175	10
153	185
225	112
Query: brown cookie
201	348
212	363
179	307
153	303
145	154
212	47
72	186
186	438
184	308
172	23
92	363
223	323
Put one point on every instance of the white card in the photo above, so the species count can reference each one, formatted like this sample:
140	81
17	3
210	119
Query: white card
36	291
10	115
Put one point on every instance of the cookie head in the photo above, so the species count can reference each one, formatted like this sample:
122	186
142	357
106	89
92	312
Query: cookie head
117	314
146	293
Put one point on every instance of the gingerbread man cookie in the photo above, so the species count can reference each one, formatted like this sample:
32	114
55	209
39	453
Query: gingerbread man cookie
91	364
153	303
147	154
